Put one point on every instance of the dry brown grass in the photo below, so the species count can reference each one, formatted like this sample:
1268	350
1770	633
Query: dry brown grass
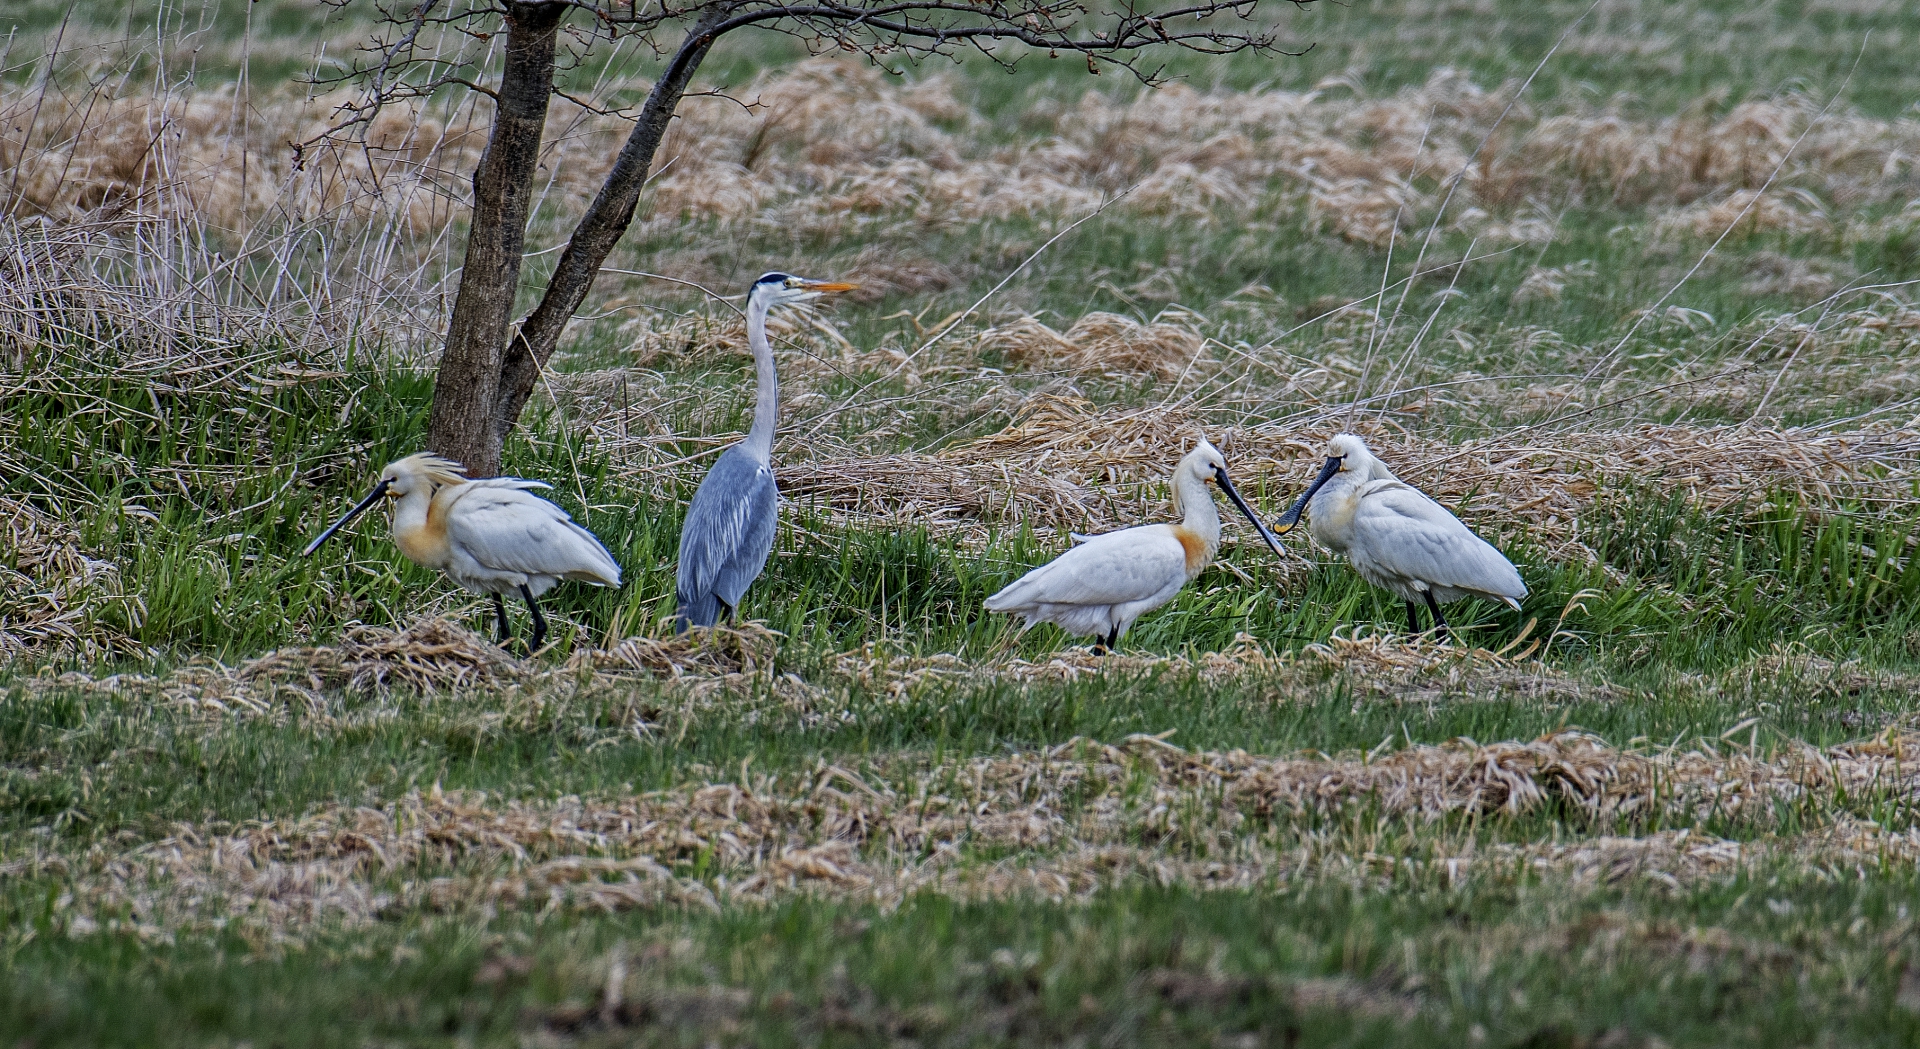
431	655
53	596
1076	817
1380	662
834	144
1363	167
676	684
1099	343
830	148
1069	464
81	156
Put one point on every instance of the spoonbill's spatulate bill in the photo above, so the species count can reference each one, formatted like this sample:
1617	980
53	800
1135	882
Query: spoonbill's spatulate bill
1102	585
730	525
492	536
1398	539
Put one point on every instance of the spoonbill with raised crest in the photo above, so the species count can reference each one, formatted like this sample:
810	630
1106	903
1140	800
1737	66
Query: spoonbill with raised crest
492	536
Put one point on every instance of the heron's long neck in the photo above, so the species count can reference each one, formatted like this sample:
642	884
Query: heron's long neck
766	406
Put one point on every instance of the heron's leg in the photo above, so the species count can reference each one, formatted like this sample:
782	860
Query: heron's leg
500	610
1439	621
539	621
1413	619
732	614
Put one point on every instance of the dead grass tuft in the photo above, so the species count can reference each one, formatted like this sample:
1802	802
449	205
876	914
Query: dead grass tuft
432	655
1537	484
1099	343
1067	819
54	596
1746	212
744	648
1551	282
939	490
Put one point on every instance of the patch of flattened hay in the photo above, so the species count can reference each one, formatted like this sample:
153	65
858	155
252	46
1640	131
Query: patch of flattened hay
55	597
1100	343
936	490
1382	660
1533	483
741	648
431	655
1063	820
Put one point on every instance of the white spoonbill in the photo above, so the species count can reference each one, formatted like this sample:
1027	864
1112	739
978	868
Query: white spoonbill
491	536
1102	585
729	528
1397	538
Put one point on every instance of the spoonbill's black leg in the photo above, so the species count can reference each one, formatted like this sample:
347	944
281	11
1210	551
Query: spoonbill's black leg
1112	641
500	610
539	621
1413	619
1439	621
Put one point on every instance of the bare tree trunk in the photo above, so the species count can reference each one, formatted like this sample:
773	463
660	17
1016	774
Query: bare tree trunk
461	425
599	230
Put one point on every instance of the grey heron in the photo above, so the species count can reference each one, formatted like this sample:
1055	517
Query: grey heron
491	536
1398	539
1102	585
730	525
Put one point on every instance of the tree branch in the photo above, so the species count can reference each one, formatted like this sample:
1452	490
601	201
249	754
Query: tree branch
600	228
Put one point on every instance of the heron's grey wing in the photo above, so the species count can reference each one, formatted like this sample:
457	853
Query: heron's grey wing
729	528
505	527
1107	569
1413	536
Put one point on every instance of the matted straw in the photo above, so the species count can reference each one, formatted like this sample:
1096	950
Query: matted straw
1071	819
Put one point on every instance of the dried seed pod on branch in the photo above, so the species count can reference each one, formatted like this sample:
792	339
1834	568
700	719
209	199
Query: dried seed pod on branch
521	53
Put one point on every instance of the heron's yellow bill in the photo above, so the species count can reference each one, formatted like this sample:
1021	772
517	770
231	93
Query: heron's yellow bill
829	285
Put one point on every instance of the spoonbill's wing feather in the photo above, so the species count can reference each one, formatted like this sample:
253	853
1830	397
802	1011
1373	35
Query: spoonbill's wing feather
1408	534
503	526
729	530
1112	568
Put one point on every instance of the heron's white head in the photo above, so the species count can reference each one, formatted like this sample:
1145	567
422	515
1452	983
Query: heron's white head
781	289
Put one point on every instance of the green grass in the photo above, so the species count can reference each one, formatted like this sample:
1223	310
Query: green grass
1690	623
93	765
1519	965
1658	56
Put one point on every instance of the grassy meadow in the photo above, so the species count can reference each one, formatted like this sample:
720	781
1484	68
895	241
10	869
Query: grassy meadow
1647	321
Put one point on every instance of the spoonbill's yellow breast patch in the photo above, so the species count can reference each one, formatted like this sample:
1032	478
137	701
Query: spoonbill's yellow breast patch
1333	514
424	545
424	540
1199	551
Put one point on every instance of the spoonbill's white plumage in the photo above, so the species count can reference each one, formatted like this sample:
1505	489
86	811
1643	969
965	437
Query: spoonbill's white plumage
491	536
1107	581
1398	539
730	525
